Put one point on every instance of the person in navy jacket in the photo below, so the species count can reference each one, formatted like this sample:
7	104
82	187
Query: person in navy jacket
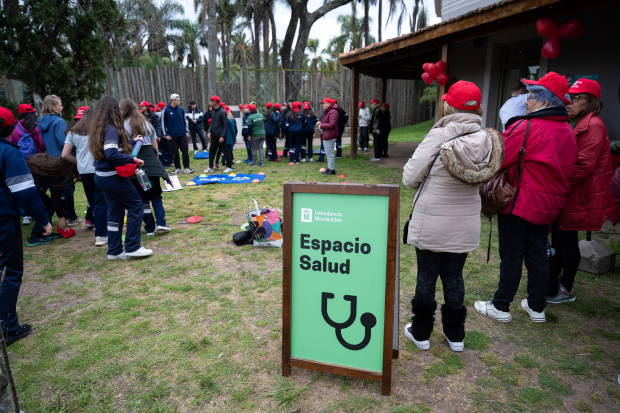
195	117
307	132
175	131
272	130
18	196
295	122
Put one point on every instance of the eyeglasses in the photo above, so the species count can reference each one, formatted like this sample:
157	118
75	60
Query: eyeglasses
575	98
530	97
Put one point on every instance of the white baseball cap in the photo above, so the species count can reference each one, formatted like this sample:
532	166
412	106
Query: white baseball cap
175	96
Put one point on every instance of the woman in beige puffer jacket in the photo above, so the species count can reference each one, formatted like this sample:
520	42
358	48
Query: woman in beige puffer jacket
445	222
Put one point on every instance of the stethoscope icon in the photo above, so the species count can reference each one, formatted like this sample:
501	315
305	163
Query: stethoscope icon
368	320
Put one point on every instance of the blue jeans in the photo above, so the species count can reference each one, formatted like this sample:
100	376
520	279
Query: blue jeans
68	202
96	202
294	142
121	195
11	258
201	135
166	154
322	152
248	147
152	197
520	240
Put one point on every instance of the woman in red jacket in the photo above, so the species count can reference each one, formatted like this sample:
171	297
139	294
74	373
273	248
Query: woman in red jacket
550	154
590	201
329	133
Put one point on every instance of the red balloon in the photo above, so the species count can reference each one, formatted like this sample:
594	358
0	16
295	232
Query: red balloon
427	78
572	29
441	66
546	27
430	68
441	78
551	49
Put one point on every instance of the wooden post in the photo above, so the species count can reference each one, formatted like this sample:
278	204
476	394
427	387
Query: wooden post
383	89
447	57
355	95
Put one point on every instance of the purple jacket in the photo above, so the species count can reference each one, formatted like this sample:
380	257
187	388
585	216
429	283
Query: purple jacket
329	123
35	135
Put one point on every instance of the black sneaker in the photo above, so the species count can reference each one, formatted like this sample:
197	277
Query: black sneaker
23	331
53	235
33	242
385	155
329	172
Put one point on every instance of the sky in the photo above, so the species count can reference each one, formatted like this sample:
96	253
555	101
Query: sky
327	27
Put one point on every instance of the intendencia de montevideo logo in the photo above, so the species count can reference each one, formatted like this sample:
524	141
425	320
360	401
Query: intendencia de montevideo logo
307	215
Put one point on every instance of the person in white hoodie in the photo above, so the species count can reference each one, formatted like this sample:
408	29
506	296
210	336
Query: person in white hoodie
364	118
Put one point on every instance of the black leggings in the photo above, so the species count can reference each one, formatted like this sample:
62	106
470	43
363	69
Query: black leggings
563	268
448	266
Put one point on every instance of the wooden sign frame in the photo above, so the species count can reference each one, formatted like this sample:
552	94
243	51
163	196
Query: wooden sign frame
390	333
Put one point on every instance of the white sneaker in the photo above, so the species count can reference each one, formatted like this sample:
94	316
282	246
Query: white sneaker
205	151
208	170
142	252
188	171
229	170
422	345
311	159
150	234
488	309
121	256
101	241
303	159
375	159
176	171
163	228
535	316
454	346
26	221
74	222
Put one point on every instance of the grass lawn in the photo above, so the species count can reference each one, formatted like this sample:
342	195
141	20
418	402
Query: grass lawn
197	326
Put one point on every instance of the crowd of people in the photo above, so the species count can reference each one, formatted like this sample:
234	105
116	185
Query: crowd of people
556	151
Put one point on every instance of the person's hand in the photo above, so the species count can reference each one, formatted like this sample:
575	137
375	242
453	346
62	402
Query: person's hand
62	223
139	138
168	137
249	138
221	139
194	120
209	135
187	134
137	161
47	230
378	133
158	139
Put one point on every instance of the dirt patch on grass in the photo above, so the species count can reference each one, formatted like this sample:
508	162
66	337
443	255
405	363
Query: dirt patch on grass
398	154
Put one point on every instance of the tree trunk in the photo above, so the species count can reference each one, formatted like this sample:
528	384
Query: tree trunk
212	38
366	25
380	21
244	68
274	40
225	62
258	79
353	24
268	76
414	17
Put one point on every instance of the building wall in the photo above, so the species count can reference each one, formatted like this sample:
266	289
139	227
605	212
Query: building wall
453	8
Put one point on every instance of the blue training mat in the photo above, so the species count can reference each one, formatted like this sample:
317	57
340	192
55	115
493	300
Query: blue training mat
201	155
225	179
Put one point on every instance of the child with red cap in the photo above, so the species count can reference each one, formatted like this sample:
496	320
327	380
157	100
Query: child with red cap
307	133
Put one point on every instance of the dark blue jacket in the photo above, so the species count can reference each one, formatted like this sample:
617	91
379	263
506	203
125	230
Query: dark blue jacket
272	125
197	114
174	121
296	126
18	194
52	129
309	125
113	157
244	127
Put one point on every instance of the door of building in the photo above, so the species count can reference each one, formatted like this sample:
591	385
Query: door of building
519	61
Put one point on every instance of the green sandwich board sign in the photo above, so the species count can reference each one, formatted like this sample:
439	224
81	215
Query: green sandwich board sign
340	304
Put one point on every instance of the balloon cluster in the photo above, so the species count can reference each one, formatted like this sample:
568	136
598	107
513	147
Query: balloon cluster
434	71
553	30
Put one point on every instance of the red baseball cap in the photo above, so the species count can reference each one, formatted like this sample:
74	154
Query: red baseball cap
215	98
246	106
334	101
81	110
296	108
582	86
144	103
252	107
306	105
6	117
554	82
25	108
374	101
361	104
161	105
386	105
462	92
278	106
66	233
326	100
269	105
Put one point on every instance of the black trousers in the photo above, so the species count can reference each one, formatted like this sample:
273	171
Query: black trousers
223	148
445	265
176	144
563	267
384	141
519	241
377	139
339	145
272	147
11	260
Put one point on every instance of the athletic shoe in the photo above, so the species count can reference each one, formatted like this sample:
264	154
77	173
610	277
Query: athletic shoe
73	222
454	346
359	149
253	165
329	172
121	256
422	345
150	234
89	224
320	160
33	242
22	332
204	150
176	171
26	220
262	164
216	167
311	160
163	228
303	159
188	171
563	296
385	155
53	235
142	252
534	315
338	157
229	170
488	309
101	241
375	159
208	170
296	163
365	149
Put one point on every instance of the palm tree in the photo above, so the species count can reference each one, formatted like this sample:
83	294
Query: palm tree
347	39
242	54
367	4
413	17
187	43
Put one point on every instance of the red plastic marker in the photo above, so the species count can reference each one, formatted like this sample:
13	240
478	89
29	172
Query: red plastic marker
194	220
342	176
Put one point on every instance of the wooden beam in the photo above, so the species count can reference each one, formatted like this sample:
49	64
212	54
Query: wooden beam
355	96
446	57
